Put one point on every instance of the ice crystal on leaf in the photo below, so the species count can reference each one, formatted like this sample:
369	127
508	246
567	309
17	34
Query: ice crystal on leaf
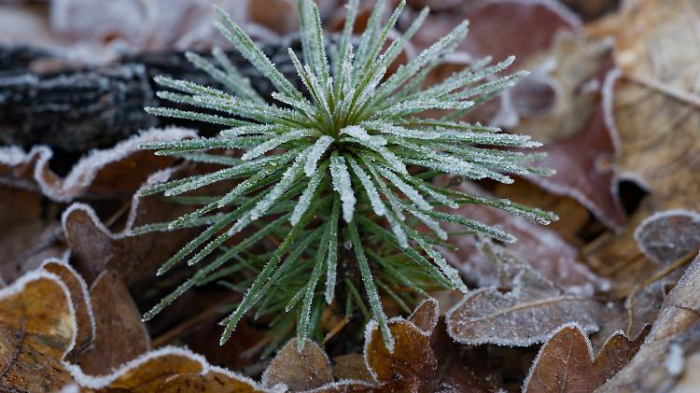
341	172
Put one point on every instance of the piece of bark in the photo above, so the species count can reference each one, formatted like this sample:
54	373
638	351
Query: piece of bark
21	57
75	110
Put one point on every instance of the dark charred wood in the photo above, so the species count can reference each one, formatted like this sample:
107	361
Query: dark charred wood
78	110
75	110
19	58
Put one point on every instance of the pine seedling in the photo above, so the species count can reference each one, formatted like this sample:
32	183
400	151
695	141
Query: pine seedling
341	174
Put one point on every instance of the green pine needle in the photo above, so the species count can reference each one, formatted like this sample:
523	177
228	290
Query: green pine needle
339	176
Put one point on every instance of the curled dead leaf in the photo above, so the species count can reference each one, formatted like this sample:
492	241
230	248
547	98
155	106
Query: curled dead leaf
117	171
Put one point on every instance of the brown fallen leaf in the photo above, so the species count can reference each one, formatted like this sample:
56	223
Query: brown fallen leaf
659	141
80	298
117	171
412	362
40	323
654	101
167	370
524	315
120	333
425	316
660	360
37	329
497	34
299	370
566	362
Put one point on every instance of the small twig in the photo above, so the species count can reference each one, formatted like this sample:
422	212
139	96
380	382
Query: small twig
338	327
670	91
625	263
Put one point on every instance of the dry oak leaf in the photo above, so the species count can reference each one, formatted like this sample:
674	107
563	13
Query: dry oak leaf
167	370
299	370
37	329
565	362
676	332
120	333
117	171
524	315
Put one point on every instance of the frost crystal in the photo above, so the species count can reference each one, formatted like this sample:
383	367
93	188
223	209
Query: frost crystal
348	161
